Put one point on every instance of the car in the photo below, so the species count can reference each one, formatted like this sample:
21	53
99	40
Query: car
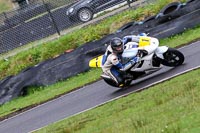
84	10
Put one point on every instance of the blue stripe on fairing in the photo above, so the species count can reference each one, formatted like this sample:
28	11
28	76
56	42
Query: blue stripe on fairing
104	59
119	65
114	71
135	46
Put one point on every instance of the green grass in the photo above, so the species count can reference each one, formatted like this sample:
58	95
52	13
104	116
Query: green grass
170	107
5	5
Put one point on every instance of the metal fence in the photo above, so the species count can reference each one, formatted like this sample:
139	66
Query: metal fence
42	18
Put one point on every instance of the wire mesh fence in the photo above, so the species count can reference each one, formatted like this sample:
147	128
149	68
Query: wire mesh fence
37	19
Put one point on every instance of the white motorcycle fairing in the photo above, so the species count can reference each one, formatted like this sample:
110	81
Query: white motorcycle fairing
146	63
160	51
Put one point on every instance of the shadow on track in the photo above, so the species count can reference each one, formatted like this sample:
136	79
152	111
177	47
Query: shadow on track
143	83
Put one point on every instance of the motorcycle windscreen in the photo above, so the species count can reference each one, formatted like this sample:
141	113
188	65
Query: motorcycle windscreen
96	62
130	53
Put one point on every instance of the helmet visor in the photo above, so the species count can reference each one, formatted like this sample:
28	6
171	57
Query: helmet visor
119	48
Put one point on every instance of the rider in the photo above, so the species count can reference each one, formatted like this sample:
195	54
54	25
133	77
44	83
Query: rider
112	65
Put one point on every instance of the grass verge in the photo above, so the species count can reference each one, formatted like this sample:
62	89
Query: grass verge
170	107
5	5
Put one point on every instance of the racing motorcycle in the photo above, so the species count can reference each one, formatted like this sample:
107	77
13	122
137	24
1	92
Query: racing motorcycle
149	63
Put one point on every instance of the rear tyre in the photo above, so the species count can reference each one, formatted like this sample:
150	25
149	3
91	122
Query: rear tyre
111	82
173	58
127	82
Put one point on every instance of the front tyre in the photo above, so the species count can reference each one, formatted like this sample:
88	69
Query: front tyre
172	58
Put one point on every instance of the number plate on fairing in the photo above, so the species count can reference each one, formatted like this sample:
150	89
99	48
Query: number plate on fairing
144	41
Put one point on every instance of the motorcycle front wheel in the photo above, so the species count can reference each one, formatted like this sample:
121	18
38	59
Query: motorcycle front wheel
172	58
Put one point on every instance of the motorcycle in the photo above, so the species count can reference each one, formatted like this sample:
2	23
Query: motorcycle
149	63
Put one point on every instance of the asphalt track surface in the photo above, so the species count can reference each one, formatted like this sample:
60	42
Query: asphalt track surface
93	95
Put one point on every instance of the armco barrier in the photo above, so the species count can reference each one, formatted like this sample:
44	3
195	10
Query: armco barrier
70	64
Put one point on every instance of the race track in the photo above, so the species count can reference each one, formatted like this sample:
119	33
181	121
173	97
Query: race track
93	95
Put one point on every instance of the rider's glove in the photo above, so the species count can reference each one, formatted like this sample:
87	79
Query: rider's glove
135	60
142	53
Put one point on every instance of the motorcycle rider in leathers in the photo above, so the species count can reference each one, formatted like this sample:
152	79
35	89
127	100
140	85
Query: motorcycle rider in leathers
112	60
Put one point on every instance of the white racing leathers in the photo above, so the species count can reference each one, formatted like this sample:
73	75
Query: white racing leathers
111	64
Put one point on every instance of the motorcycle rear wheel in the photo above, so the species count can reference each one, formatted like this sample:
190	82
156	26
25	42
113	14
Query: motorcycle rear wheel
110	82
172	58
113	83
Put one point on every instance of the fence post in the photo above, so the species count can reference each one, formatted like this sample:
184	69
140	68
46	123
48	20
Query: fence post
51	16
6	18
129	3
